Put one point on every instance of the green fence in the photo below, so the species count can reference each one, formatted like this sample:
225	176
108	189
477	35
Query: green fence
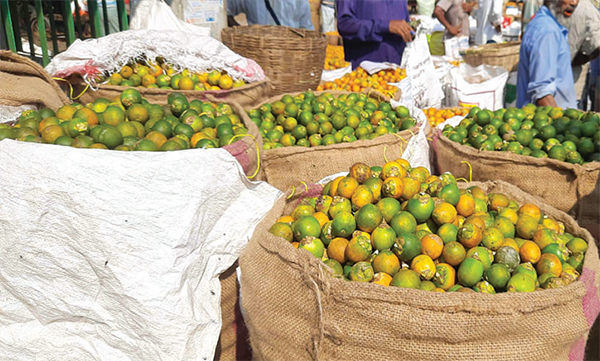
48	27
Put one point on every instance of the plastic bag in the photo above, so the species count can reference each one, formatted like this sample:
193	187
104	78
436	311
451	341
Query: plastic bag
182	49
481	86
424	90
116	255
157	15
454	46
331	75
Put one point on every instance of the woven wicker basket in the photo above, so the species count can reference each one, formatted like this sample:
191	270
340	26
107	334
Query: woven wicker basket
292	58
505	55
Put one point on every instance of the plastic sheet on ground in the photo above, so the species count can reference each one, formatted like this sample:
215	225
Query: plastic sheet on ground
111	256
182	49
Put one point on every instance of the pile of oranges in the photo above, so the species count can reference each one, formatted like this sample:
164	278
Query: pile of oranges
437	116
334	58
399	226
359	80
161	74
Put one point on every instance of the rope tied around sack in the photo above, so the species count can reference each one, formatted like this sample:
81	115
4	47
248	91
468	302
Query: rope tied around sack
257	151
294	189
87	86
401	147
470	169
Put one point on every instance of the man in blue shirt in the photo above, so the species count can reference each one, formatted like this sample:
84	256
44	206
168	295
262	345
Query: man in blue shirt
292	13
544	75
375	30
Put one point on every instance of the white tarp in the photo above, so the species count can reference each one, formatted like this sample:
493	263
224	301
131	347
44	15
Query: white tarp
182	49
111	256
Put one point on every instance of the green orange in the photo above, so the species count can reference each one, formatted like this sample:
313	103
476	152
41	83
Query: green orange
368	218
307	226
386	261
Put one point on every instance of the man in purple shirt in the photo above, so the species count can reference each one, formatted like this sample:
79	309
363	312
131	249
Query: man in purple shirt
375	30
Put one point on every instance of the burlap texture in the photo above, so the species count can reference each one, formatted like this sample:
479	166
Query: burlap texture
571	188
295	309
289	166
248	95
229	294
22	81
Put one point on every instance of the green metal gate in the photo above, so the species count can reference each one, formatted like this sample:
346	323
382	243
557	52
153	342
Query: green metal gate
58	22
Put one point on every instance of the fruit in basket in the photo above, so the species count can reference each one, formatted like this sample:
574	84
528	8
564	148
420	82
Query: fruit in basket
566	135
423	242
311	120
131	123
161	74
359	80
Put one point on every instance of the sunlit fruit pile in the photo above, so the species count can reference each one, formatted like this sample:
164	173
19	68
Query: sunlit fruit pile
397	225
437	116
543	132
334	57
310	120
130	123
160	74
359	80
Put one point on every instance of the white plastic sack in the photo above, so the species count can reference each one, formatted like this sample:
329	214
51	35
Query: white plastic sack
481	86
157	15
111	256
206	13
182	49
454	121
416	152
331	75
454	46
424	90
372	67
9	113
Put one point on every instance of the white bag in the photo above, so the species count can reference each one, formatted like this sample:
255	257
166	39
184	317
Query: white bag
454	46
111	256
373	67
425	89
331	75
157	15
182	49
481	86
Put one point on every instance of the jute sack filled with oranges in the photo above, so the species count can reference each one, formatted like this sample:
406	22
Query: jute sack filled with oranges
24	82
248	94
288	166
85	61
571	188
299	307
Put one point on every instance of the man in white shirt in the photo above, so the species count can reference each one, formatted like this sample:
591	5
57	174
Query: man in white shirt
489	21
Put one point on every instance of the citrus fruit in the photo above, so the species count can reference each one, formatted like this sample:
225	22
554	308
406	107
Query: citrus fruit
386	261
312	245
470	272
406	278
306	226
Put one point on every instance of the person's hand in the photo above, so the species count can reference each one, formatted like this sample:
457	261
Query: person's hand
401	27
498	28
454	30
548	100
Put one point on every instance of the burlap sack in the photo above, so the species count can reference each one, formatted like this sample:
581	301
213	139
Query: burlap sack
22	81
295	309
289	166
233	342
571	188
248	95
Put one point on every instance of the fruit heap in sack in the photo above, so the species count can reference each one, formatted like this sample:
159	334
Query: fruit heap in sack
359	80
400	226
161	74
543	132
311	120
130	123
334	57
437	116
